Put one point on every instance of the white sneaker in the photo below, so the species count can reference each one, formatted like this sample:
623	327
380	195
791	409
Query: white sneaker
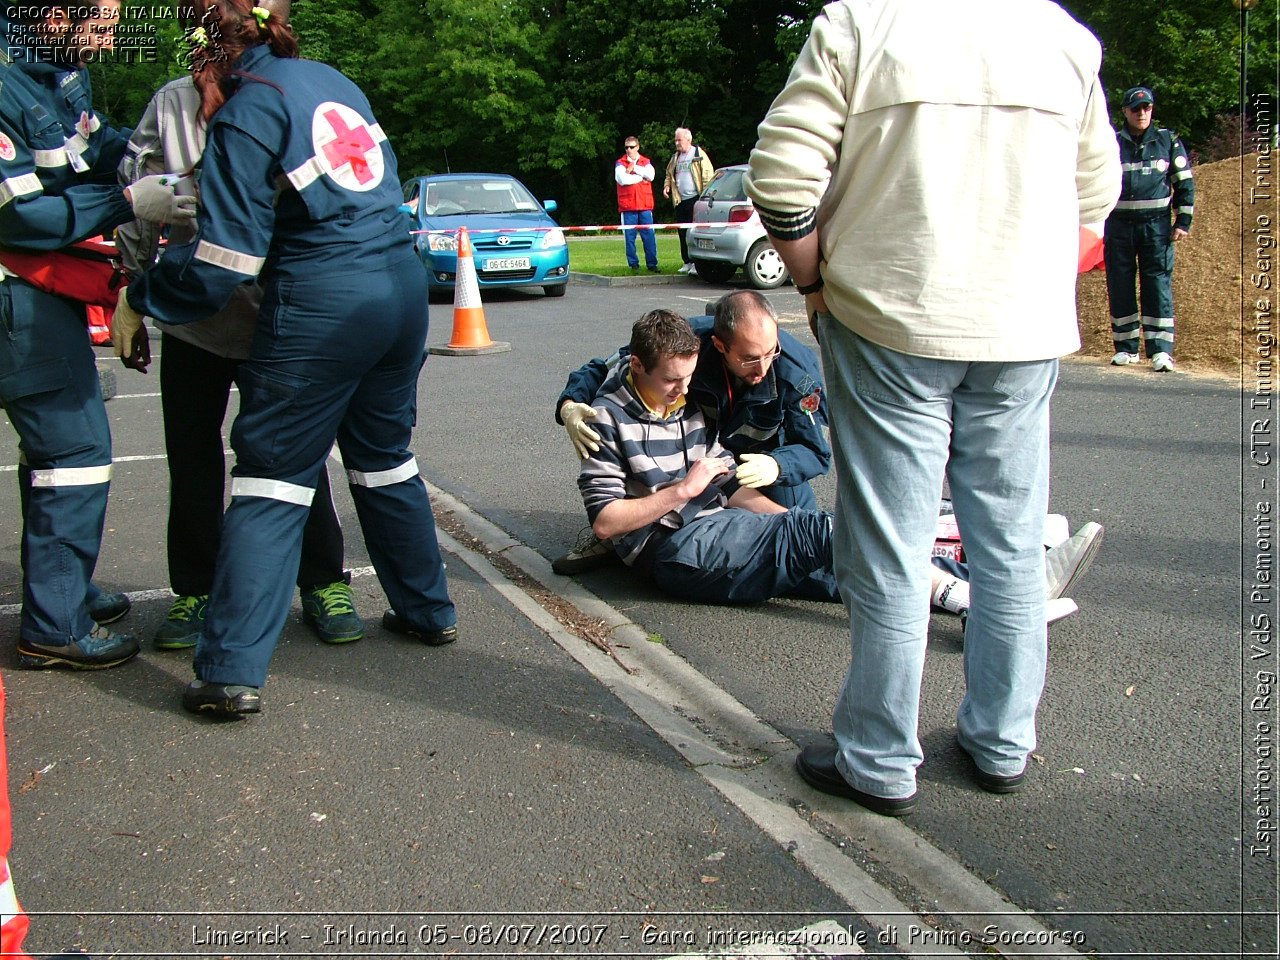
1122	358
1059	608
1162	363
686	268
1056	609
1064	565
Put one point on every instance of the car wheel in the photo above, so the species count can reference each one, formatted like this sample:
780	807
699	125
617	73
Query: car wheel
764	268
556	289
715	271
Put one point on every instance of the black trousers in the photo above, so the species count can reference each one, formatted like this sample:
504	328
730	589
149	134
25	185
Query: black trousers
684	214
194	388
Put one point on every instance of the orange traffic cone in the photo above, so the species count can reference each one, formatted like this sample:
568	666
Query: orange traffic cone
470	333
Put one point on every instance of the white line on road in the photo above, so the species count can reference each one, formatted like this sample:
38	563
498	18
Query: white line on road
750	763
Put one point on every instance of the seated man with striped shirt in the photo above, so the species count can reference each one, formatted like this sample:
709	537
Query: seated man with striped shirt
666	495
664	492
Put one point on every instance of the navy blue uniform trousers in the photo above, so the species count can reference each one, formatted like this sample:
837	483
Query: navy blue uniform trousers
49	389
334	356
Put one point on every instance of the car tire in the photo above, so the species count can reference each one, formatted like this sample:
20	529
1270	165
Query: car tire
764	268
556	289
714	271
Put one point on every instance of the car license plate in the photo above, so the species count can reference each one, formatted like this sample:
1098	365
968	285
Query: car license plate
507	263
705	244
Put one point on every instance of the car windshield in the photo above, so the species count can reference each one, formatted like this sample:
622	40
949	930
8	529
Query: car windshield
453	198
726	185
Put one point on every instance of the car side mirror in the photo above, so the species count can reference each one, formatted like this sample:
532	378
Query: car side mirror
550	206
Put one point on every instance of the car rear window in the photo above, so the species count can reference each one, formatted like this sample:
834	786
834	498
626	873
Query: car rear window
726	185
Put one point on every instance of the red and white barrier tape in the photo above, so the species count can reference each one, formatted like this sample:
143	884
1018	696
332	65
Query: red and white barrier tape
593	227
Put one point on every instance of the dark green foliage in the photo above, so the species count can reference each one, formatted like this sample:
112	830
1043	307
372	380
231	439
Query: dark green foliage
547	89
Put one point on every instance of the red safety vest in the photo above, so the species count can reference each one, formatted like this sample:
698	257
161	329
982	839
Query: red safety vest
636	196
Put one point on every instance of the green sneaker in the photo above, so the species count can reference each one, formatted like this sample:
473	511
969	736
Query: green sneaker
331	612
182	627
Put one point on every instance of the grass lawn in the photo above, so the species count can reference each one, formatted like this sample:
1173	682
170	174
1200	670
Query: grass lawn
606	255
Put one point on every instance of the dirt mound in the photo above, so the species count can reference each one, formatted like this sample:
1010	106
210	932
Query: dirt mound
1206	278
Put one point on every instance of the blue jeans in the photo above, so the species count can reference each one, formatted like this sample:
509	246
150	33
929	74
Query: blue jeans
898	423
736	556
631	218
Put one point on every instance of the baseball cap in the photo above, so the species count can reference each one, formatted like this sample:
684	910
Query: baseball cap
1137	95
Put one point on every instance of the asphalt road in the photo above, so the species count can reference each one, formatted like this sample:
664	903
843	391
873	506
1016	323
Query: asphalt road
496	776
1136	804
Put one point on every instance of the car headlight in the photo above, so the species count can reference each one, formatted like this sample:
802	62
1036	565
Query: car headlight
553	238
442	243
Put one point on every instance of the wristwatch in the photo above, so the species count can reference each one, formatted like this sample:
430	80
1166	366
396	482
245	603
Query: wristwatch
805	289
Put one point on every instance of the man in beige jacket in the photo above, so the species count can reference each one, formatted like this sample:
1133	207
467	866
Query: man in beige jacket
688	171
924	180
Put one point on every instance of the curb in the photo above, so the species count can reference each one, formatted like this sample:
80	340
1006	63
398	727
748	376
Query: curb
636	280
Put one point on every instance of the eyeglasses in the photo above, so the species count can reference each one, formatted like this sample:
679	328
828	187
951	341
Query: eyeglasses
633	146
1141	108
761	361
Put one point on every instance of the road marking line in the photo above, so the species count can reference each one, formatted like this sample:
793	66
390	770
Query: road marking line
749	762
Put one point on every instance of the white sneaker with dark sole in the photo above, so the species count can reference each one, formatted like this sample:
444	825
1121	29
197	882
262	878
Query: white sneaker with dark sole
1066	563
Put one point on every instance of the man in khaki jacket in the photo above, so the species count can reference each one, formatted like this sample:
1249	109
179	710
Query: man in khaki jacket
688	171
924	181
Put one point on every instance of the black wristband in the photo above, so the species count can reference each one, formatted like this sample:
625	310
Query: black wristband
805	289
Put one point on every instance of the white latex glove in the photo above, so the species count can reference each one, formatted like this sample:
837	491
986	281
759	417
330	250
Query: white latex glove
757	470
124	325
153	198
585	440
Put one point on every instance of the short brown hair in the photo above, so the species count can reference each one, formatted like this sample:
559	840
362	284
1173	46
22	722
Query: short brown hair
660	334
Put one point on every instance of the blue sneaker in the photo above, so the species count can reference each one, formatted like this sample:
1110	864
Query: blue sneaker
99	649
182	627
331	612
108	607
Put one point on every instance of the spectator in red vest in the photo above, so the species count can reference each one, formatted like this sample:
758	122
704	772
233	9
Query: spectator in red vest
634	175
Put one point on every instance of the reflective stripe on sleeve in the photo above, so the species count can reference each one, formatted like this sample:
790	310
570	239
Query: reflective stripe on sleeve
229	259
19	187
385	478
71	476
314	168
272	490
50	158
1187	210
1182	175
1143	204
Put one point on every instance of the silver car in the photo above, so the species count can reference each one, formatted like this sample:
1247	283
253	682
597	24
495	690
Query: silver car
728	234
